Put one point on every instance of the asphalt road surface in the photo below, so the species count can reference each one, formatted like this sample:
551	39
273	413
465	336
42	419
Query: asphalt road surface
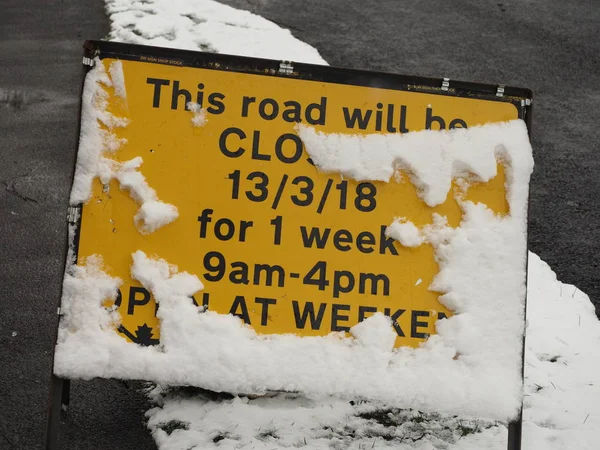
40	79
550	46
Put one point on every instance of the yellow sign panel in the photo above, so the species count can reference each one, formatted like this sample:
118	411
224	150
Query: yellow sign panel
285	247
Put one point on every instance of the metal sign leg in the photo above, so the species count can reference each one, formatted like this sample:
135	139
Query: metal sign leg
57	393
514	434
66	394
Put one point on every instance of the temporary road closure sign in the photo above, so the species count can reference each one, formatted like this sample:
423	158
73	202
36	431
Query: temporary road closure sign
275	241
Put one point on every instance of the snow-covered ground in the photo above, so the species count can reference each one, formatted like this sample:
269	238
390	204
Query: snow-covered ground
204	25
562	398
562	393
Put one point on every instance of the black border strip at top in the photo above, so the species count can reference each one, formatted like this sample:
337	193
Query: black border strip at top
314	72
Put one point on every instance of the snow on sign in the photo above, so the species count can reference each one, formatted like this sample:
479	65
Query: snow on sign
260	225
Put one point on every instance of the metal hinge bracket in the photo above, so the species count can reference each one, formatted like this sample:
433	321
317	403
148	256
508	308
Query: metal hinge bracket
87	61
445	84
72	213
500	91
286	68
526	102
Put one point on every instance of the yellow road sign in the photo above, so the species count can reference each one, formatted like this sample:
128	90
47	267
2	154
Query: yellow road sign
285	247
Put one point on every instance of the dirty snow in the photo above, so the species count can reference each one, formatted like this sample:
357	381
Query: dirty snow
293	421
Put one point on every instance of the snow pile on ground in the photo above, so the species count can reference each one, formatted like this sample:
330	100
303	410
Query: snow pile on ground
562	399
191	418
562	368
204	25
